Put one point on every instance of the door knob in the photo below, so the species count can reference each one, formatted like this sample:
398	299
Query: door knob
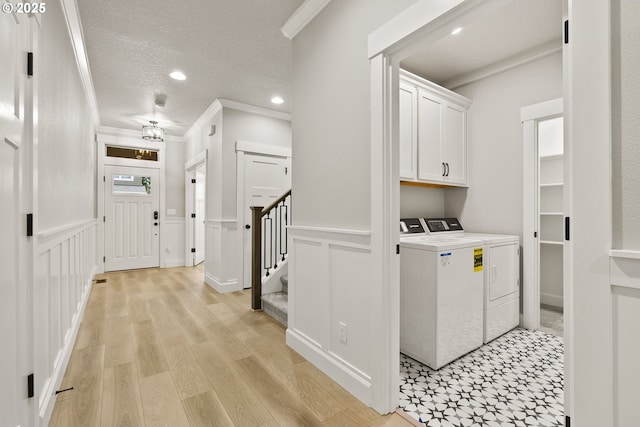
247	226
155	223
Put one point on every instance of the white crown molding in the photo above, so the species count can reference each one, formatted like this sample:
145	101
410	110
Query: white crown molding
133	134
302	16
514	61
72	18
227	103
217	106
208	115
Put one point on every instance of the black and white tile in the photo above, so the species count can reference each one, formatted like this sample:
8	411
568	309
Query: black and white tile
515	380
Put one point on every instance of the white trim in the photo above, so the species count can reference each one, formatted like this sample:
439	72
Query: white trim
624	253
56	231
542	110
221	286
48	398
262	149
352	379
205	117
196	160
215	221
625	271
234	105
418	81
507	64
72	18
358	238
302	16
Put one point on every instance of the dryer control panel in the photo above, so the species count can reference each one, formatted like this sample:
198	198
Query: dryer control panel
443	225
410	226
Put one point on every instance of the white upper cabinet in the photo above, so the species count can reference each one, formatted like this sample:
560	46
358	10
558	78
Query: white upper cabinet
438	155
408	117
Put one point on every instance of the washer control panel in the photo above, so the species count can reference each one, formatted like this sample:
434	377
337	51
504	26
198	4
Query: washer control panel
411	226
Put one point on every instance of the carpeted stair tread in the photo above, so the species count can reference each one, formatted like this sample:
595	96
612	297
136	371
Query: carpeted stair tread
275	305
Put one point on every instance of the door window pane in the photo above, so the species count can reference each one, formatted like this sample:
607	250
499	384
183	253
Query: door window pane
131	184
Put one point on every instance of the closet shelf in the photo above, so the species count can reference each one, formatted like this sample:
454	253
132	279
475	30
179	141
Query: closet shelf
550	242
552	184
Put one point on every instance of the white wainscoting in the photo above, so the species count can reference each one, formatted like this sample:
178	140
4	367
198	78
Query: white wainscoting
222	267
174	242
625	299
329	279
64	270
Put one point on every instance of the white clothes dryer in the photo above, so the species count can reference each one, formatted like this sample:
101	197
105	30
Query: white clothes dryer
500	263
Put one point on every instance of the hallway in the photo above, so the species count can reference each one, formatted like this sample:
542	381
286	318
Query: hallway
159	347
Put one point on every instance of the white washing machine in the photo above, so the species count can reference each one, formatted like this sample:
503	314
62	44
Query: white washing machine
500	262
441	296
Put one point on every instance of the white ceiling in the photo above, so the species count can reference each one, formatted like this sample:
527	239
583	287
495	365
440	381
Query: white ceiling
520	26
230	49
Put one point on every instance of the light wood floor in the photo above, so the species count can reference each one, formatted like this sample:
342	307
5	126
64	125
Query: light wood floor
161	348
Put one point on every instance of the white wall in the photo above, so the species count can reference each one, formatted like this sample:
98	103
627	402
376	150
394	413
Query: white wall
493	201
174	178
421	202
66	148
331	114
330	240
626	124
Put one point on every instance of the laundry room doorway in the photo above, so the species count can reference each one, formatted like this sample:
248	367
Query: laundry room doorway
195	202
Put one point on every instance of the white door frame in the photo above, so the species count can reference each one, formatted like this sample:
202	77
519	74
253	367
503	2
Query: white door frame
530	116
190	167
243	148
126	139
425	21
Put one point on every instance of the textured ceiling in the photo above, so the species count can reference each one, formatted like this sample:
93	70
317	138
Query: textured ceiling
513	29
230	49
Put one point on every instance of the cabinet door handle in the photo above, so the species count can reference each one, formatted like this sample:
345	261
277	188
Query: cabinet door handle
444	169
447	165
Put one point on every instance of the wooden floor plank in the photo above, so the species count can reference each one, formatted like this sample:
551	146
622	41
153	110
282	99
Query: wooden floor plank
149	355
118	342
121	401
206	410
160	402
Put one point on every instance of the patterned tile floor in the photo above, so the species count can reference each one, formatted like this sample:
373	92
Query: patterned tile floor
515	380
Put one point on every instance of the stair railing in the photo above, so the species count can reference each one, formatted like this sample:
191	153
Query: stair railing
268	242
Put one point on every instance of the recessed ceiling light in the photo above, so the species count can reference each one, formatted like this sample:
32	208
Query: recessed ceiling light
177	75
277	100
456	31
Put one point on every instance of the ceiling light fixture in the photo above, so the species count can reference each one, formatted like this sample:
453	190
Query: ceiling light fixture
277	100
456	31
152	132
178	75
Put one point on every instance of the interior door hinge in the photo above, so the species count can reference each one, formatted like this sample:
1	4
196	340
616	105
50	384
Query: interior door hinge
104	219
193	250
535	234
193	180
286	170
567	228
104	259
30	386
104	178
29	64
29	225
566	32
397	249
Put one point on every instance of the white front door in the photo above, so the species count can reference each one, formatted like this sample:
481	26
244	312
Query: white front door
266	178
132	221
12	388
198	226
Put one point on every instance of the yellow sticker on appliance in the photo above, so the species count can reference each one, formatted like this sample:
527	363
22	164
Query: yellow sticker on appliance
477	259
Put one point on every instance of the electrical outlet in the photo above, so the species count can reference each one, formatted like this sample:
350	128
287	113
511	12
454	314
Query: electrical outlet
342	332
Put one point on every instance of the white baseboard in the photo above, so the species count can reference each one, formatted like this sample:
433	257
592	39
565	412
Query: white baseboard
340	372
220	286
48	399
552	300
171	263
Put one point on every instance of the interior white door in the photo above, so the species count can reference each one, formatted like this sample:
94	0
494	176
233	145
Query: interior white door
265	178
11	134
132	218
198	226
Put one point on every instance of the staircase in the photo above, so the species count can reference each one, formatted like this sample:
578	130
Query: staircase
275	304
